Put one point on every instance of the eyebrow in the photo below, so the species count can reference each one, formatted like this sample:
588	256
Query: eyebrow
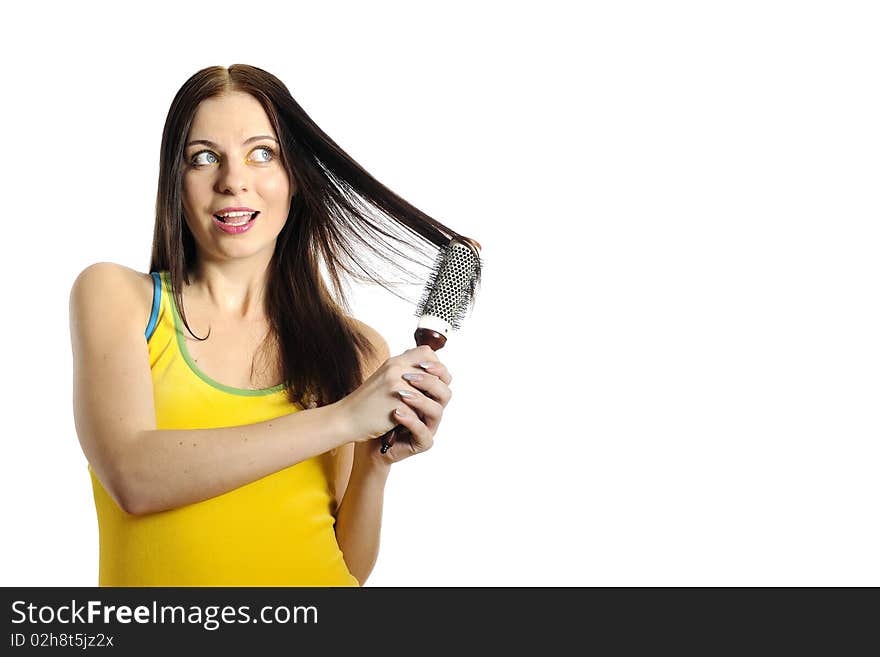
246	141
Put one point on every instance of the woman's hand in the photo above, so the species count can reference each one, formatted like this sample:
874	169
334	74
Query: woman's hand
421	415
421	412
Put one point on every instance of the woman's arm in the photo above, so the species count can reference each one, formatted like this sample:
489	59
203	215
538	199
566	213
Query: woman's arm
360	514
361	487
168	468
359	519
145	469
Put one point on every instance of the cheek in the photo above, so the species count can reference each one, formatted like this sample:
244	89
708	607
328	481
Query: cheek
188	193
275	187
190	202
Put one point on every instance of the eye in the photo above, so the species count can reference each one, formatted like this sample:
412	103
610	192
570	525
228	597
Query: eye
271	153
194	162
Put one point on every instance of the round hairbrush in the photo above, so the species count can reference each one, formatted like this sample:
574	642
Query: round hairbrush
448	293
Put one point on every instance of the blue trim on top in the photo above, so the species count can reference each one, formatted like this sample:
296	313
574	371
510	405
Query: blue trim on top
157	295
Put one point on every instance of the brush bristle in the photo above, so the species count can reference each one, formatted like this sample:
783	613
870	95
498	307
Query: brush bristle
452	283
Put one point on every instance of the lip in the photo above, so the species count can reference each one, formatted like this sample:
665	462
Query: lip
235	230
230	209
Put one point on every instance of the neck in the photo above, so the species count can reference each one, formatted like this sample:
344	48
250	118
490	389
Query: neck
231	289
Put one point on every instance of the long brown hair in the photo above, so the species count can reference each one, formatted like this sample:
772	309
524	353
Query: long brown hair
341	216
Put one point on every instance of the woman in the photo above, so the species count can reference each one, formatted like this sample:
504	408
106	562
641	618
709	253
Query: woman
250	456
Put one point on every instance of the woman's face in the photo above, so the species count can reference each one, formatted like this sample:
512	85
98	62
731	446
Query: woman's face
234	170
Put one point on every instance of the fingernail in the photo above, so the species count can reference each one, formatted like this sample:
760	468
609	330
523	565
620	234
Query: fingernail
399	412
426	365
410	376
405	393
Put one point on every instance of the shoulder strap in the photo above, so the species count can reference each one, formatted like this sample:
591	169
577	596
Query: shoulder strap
157	295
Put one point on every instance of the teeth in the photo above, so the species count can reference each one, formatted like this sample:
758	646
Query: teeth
224	217
235	214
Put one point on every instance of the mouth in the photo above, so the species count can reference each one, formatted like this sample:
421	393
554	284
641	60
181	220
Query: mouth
235	224
236	221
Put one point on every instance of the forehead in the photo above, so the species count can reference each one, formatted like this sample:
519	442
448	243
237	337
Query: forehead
234	117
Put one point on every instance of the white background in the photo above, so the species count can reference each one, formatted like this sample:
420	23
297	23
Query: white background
670	376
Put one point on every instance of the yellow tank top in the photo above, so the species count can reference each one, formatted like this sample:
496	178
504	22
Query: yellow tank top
276	531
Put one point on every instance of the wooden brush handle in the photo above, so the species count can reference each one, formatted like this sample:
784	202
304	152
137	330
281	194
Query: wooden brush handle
435	341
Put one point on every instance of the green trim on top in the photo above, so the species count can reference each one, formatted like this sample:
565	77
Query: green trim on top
181	344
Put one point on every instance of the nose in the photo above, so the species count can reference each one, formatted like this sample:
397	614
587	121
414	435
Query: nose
233	175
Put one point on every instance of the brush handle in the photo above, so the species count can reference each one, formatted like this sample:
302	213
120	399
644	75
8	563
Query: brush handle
435	341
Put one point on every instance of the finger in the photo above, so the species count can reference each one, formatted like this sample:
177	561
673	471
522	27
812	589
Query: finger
422	438
435	367
428	410
422	352
426	358
430	385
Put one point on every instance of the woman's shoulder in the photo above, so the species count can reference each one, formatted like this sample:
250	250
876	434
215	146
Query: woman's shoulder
122	291
371	334
380	346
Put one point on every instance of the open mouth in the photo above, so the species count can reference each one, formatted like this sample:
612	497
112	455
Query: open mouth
235	225
236	221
